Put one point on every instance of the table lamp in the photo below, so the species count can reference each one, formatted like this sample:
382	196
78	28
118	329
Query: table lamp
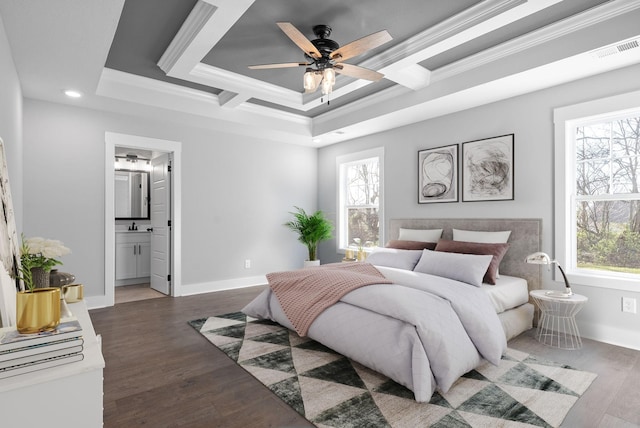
540	258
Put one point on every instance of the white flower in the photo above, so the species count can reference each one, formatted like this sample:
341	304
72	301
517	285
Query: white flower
49	248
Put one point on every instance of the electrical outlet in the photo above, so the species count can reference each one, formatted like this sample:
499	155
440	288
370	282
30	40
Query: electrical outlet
247	264
629	305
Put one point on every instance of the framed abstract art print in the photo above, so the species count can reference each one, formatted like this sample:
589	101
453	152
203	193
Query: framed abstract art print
487	169
438	175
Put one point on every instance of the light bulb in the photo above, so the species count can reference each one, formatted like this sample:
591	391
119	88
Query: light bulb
327	87
308	80
329	75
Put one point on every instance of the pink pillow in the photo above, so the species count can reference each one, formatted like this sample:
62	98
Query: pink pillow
496	250
410	245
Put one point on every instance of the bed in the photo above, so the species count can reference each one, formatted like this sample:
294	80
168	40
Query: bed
382	323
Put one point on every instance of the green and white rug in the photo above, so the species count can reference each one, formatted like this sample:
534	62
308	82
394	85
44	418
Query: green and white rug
330	390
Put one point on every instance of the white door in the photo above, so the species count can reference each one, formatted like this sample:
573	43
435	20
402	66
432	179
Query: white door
161	224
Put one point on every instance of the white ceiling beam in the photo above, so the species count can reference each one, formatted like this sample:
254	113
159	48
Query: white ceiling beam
230	99
413	76
207	23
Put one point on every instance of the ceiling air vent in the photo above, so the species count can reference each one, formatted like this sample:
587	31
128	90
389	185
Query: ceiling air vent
617	48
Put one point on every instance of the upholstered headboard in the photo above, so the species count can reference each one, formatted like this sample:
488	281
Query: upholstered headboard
525	238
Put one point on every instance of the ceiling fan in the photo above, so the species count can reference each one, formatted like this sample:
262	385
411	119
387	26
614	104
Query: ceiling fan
325	57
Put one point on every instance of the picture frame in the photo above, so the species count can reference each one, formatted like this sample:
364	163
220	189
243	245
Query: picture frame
438	174
488	169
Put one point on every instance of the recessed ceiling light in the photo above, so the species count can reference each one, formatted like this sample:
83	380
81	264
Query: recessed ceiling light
72	94
317	140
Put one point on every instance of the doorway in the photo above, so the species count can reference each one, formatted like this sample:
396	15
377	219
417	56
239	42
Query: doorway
166	256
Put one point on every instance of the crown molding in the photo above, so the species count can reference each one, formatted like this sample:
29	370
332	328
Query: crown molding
146	91
473	16
546	34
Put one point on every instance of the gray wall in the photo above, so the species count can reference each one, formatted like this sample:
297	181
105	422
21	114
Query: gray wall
530	118
236	193
11	122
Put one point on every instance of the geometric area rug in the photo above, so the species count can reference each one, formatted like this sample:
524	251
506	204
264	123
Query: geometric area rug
330	390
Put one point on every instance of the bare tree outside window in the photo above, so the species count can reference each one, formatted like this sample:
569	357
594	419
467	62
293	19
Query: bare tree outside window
607	195
362	184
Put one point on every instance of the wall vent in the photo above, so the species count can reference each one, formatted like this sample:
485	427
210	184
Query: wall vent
616	48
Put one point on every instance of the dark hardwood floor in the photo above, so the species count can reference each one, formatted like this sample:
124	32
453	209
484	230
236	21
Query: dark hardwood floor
162	373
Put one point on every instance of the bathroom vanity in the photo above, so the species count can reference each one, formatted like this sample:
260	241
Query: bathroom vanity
133	257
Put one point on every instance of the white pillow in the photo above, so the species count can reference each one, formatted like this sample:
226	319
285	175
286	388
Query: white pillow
422	235
391	257
481	236
469	268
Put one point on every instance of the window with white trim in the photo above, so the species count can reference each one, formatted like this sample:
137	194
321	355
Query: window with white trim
360	183
598	191
607	204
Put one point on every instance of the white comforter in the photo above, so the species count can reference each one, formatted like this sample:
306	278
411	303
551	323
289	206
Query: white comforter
423	331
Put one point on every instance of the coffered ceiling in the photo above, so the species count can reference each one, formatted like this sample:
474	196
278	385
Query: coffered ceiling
187	60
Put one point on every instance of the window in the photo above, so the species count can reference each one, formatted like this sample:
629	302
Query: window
360	181
607	208
598	195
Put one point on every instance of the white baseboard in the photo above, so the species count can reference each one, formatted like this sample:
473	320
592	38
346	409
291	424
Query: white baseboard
95	302
611	335
227	284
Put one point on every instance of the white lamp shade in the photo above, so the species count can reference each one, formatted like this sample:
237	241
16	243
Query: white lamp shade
539	258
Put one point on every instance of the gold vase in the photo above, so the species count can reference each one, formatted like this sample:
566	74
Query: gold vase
37	310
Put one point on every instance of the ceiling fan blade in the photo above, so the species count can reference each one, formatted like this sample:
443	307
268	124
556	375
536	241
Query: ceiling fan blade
281	65
299	39
360	46
357	72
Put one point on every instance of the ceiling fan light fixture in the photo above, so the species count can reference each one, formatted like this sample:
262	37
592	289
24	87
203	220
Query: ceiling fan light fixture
325	56
309	80
329	75
327	87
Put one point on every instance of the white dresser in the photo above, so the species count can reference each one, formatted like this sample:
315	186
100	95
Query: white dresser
68	396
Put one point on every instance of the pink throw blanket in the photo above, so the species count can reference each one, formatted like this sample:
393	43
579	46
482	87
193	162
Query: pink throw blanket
305	293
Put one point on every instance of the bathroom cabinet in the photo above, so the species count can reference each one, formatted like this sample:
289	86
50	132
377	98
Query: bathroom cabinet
133	257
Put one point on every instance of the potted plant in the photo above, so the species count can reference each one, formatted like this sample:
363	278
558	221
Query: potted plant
37	305
311	229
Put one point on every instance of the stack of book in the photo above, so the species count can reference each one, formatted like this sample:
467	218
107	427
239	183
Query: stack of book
25	353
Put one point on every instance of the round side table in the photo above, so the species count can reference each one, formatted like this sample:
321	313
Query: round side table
557	324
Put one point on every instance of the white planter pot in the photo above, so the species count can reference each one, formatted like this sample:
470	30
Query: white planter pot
309	263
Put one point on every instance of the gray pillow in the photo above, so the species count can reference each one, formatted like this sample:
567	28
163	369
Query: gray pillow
469	268
391	257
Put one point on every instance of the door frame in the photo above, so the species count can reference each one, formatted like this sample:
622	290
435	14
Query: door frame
113	140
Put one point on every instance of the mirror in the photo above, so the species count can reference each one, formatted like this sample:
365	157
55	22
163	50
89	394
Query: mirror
132	195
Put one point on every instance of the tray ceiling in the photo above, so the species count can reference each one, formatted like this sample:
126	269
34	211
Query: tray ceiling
192	57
